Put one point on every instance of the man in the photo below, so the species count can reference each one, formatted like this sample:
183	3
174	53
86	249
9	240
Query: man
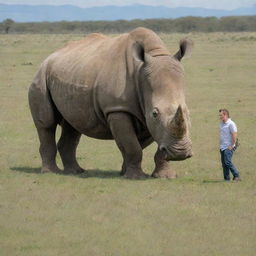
228	136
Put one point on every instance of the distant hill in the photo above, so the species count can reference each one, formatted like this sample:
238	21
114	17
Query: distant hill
37	13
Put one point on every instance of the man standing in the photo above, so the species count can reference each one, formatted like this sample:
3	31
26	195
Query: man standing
228	136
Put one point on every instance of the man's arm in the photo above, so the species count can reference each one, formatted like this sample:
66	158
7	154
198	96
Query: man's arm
234	136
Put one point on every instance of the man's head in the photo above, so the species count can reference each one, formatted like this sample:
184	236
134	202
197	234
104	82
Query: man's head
224	114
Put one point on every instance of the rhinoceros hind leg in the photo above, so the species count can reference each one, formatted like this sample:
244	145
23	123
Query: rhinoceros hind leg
48	149
123	132
162	168
43	113
67	146
123	169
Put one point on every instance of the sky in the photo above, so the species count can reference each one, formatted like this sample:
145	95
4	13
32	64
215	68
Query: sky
213	4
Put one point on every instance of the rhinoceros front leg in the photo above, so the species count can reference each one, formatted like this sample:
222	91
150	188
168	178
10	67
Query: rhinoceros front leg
162	168
143	143
67	146
123	132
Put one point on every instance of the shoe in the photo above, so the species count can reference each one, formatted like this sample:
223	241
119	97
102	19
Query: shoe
236	179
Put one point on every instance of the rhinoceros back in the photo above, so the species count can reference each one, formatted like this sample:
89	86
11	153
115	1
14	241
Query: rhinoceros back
90	78
71	80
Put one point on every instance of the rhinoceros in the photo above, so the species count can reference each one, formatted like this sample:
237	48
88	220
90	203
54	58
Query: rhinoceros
127	88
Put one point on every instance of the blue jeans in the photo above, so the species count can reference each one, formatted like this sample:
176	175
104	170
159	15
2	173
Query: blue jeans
227	165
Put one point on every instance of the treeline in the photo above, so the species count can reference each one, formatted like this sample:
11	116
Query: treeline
182	25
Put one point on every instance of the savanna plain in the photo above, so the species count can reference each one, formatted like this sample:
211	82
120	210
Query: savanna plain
103	214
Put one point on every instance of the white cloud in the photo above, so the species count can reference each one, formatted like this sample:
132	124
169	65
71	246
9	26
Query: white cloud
214	4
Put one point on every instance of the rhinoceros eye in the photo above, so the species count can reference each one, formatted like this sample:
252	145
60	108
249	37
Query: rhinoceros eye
155	112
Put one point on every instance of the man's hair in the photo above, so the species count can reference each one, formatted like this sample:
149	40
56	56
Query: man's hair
225	111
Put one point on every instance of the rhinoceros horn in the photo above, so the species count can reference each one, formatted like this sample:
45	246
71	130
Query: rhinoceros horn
178	125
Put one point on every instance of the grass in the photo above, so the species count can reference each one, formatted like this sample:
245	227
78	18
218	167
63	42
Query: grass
104	214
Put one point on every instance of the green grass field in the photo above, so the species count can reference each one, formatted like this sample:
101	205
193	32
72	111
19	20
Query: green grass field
105	214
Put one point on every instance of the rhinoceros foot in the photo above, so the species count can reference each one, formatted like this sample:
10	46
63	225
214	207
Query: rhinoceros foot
74	170
53	169
162	169
164	173
135	174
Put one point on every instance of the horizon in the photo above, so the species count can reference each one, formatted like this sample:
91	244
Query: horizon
129	10
211	4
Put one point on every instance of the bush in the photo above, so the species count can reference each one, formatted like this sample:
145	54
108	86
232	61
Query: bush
182	25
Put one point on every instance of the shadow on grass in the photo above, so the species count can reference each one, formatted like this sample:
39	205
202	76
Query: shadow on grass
26	169
214	181
95	173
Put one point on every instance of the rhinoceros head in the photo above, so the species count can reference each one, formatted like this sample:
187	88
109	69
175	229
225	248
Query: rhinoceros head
166	113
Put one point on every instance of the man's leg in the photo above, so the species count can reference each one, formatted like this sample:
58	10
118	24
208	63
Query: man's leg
225	168
229	164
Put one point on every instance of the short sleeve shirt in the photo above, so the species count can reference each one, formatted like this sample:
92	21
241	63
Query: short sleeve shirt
226	130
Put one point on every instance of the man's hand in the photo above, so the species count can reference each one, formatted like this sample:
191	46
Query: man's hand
234	136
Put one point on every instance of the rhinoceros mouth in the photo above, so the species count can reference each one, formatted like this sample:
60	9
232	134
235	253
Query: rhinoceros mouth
175	154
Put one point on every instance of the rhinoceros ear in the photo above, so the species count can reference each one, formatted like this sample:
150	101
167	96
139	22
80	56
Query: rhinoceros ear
139	52
186	46
140	55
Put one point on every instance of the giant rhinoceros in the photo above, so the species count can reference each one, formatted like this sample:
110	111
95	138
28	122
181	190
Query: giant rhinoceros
128	88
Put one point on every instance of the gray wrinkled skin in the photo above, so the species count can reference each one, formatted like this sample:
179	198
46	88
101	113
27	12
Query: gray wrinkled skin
127	88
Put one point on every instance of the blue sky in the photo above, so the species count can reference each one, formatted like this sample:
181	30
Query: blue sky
214	4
